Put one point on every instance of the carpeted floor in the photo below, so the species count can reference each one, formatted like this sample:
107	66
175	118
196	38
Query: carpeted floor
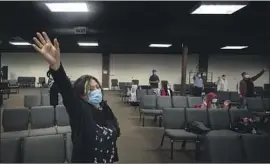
137	144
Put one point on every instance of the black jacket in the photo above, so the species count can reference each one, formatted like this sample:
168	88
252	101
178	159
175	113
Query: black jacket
93	139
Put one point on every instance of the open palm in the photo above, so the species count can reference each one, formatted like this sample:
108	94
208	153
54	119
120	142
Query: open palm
51	52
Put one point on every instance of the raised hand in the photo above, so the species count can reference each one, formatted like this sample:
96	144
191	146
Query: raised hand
51	52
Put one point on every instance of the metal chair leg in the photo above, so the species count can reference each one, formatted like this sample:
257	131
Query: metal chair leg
162	140
172	144
142	120
197	151
184	144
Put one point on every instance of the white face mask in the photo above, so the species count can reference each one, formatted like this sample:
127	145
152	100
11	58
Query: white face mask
246	76
214	101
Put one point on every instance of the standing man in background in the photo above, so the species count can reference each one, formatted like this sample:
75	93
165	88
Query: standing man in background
198	84
246	86
222	84
154	81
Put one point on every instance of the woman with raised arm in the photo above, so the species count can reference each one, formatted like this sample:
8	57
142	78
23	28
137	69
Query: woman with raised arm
94	127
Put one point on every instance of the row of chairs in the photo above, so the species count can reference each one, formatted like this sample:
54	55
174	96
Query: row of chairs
217	143
42	120
37	149
27	82
36	100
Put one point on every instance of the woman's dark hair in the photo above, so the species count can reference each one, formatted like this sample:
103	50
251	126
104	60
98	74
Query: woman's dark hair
165	86
79	85
49	74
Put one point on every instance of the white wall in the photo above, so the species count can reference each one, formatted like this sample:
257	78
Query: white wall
124	67
233	66
32	64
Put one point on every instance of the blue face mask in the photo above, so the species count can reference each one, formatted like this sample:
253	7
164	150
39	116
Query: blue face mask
95	97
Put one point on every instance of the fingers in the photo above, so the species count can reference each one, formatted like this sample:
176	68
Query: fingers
36	48
56	44
37	42
47	39
41	39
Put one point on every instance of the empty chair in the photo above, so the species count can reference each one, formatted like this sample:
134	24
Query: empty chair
45	100
42	121
13	84
164	102
44	149
193	101
114	83
148	106
255	105
220	147
174	126
256	148
266	104
31	100
140	93
258	91
223	96
219	119
235	98
10	150
62	119
15	123
179	101
69	147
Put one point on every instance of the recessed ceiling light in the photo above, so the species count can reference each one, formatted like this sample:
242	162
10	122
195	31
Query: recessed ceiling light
218	8
20	43
88	44
160	45
234	47
67	7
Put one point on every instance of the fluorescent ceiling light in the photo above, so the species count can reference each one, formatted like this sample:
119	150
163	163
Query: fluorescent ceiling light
20	43
67	7
218	8
87	44
234	47
160	45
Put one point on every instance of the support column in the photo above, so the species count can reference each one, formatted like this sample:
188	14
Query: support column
203	65
105	70
184	70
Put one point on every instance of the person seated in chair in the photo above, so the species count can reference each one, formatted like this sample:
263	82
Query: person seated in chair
166	91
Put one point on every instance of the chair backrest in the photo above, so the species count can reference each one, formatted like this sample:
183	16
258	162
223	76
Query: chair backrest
255	104
45	100
69	147
31	100
195	114
219	119
140	93
62	118
234	97
42	117
12	82
164	102
150	92
177	87
15	119
222	96
179	101
135	82
44	91
192	101
223	147
41	79
10	150
235	114
44	149
149	102
114	82
174	118
256	148
266	103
